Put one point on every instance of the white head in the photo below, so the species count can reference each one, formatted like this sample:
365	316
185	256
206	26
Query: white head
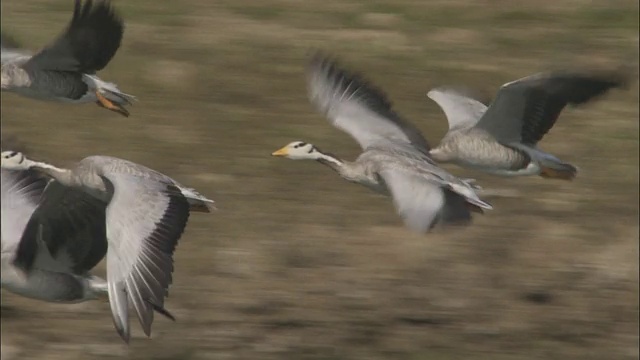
299	150
14	160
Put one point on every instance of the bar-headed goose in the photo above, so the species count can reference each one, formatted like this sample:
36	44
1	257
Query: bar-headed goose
501	139
65	69
143	214
395	156
60	273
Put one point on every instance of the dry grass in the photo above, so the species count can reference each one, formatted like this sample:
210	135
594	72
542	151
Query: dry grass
298	264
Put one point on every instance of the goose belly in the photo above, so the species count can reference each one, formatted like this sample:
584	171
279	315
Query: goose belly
41	285
493	157
59	87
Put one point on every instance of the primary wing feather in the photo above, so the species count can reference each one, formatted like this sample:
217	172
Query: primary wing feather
70	225
525	110
461	111
355	106
145	219
90	41
21	191
417	201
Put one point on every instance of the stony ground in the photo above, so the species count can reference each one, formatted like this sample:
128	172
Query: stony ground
299	264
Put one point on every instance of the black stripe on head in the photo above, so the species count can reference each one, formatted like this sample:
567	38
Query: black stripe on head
158	250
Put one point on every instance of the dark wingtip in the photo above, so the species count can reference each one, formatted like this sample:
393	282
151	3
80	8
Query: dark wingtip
95	34
123	335
160	310
333	68
320	58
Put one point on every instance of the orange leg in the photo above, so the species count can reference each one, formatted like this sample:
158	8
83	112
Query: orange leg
110	105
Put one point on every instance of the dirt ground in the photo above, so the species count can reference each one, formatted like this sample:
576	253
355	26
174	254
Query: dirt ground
298	263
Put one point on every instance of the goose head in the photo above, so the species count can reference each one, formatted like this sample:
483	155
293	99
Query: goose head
299	150
14	160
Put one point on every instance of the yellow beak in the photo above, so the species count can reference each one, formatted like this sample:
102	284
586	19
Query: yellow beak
282	152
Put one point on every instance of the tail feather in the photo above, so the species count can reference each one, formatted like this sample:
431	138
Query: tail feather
200	206
119	97
197	201
553	168
110	90
468	192
562	171
550	166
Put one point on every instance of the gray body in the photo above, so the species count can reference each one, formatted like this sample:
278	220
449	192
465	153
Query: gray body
395	159
502	139
53	277
135	216
64	71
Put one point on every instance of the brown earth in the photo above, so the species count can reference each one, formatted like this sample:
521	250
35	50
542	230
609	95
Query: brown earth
299	264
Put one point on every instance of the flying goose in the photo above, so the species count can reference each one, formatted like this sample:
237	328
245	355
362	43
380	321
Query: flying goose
501	139
56	276
65	70
140	214
395	158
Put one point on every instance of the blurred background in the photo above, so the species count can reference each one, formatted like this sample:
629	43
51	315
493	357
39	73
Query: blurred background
298	263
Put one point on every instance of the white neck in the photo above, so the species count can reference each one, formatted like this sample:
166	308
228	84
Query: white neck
64	176
329	160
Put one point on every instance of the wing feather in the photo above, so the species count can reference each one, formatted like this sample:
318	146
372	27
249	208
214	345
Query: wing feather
21	191
526	109
461	111
88	44
145	219
66	232
357	107
423	204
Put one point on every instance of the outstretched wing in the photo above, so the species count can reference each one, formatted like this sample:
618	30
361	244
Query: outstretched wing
461	111
355	106
90	41
65	233
21	191
525	110
423	204
145	219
